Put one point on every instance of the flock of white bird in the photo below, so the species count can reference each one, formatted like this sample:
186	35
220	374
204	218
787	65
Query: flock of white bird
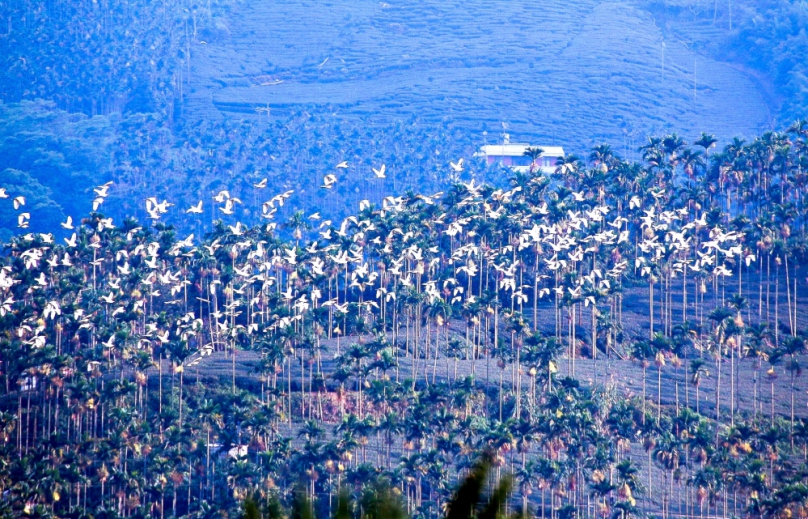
444	259
18	201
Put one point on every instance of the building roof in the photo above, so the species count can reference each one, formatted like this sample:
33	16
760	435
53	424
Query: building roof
518	149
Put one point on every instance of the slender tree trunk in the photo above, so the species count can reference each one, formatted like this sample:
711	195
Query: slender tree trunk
651	308
718	392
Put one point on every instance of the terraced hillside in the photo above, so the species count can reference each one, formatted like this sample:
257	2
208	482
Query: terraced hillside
571	73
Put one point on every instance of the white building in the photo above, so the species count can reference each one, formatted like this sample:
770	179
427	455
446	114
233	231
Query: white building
513	155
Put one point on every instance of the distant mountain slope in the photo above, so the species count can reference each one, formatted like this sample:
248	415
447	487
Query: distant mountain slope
767	39
572	73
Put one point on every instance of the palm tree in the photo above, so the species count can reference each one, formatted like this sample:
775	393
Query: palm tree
534	153
717	344
529	477
706	141
698	370
643	352
390	426
758	346
668	454
661	346
791	347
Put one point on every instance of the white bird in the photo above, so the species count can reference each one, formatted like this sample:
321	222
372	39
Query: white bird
105	223
228	207
161	207
22	220
261	185
101	191
342	165
380	172
155	208
222	195
618	222
329	181
722	270
195	209
5	307
52	310
280	198
238	230
579	196
3	193
68	224
457	166
19	201
72	241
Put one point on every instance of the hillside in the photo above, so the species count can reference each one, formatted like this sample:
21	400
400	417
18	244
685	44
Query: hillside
573	74
250	255
176	101
627	339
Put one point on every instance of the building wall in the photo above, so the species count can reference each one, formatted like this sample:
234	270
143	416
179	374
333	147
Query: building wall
521	161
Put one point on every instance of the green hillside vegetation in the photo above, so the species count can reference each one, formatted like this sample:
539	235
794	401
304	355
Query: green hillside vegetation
53	159
768	38
625	339
101	57
540	68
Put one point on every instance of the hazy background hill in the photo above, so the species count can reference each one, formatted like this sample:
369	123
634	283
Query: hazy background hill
180	99
569	73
